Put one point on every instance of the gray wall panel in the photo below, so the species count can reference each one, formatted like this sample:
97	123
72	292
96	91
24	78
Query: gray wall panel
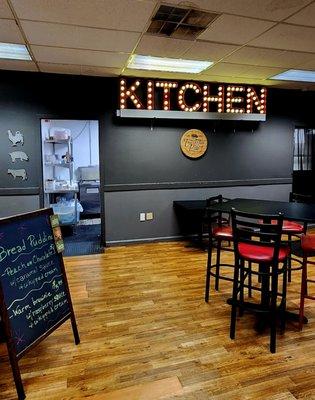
122	209
11	205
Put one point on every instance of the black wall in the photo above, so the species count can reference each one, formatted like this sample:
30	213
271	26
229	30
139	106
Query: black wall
141	154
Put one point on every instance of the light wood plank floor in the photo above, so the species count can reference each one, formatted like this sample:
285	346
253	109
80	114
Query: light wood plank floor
147	334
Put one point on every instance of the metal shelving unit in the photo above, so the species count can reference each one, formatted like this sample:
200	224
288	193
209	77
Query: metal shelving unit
52	147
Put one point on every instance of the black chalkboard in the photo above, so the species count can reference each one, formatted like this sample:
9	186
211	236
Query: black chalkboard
35	297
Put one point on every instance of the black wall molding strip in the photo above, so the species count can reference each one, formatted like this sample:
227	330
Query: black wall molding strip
19	191
199	184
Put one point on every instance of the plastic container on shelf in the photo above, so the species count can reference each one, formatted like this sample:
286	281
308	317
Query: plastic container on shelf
59	133
65	209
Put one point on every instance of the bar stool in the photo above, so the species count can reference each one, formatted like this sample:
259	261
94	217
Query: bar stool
219	230
294	229
257	239
308	247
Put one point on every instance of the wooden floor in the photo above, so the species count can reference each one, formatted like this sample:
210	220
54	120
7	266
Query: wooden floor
146	334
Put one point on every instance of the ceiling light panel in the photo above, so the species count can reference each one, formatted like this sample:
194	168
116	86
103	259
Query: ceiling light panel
168	64
12	51
296	75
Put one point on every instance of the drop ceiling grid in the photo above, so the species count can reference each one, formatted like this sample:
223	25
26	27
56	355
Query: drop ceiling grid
76	35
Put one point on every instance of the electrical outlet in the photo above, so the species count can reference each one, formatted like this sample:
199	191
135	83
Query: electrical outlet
142	217
149	216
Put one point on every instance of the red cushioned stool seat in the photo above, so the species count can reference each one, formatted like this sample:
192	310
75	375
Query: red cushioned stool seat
308	243
308	247
290	227
261	254
224	232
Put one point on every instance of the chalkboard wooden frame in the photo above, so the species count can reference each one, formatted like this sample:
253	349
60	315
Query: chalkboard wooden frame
15	356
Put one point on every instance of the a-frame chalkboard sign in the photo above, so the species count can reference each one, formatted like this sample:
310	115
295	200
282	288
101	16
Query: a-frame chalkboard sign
34	293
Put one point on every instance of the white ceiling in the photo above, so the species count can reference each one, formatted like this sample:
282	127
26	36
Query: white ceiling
249	42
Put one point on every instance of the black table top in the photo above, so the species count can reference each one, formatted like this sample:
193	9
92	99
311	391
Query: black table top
291	211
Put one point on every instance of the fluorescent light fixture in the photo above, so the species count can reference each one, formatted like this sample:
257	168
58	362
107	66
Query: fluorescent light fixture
297	75
14	51
167	64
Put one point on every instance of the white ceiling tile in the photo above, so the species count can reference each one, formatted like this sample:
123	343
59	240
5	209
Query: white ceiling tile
242	71
257	72
274	10
304	17
99	71
226	69
60	68
268	57
208	51
5	11
308	65
9	32
287	37
78	69
235	30
130	15
43	33
162	47
80	57
18	65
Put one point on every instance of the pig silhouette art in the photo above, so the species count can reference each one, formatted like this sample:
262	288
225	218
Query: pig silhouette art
18	173
18	155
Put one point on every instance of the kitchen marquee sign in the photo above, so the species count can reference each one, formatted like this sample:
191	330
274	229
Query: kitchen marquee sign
214	99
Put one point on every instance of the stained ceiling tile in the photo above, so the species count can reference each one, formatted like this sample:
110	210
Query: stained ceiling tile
110	14
43	33
9	32
235	30
304	17
5	11
274	10
18	65
208	51
162	47
268	57
287	37
80	57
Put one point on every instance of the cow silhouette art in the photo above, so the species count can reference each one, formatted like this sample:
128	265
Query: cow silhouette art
21	173
18	155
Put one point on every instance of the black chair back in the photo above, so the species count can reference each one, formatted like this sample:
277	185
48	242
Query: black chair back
257	229
215	218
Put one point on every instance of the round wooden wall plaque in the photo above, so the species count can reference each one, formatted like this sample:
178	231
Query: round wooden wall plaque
194	143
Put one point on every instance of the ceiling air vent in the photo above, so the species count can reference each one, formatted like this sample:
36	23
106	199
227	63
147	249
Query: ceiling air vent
180	23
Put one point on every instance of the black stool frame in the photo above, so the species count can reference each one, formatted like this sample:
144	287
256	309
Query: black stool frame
258	230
